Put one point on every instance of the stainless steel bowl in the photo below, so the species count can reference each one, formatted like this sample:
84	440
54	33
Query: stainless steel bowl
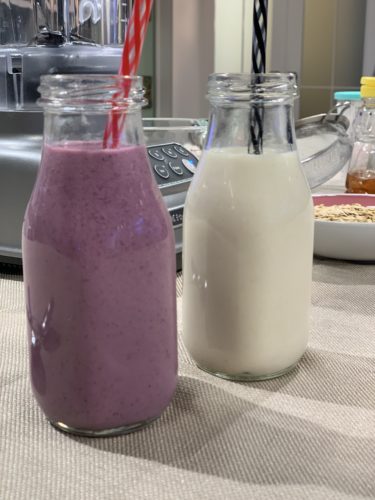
324	146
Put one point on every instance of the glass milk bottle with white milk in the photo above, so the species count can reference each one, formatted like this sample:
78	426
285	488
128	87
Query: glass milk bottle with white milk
248	234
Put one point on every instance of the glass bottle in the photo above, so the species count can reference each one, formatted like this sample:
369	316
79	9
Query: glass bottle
99	264
348	102
248	234
361	172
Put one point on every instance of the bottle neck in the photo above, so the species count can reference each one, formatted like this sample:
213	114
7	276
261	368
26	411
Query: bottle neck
64	126
365	121
259	128
82	107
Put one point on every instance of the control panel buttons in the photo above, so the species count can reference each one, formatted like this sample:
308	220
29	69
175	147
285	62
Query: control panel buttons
156	154
162	171
174	165
181	150
169	151
190	165
176	168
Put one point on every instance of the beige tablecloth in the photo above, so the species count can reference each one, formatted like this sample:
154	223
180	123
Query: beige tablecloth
309	434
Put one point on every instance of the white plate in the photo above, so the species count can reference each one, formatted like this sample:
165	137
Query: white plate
344	240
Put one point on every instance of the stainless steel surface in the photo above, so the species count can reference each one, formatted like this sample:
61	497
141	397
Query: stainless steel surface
323	145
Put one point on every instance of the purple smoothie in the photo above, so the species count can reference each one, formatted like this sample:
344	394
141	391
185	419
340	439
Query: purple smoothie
99	271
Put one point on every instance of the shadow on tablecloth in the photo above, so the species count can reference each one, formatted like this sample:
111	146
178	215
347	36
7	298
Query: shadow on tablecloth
330	378
209	430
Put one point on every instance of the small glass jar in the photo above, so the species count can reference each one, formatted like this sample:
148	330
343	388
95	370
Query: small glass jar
248	234
361	172
99	264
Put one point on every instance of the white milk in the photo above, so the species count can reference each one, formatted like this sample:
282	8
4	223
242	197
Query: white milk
248	243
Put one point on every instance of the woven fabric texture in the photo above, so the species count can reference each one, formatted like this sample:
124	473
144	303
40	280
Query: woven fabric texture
309	434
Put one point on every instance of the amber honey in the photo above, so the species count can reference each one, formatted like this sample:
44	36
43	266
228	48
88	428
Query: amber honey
361	182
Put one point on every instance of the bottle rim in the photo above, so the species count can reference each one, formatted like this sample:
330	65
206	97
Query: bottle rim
252	88
91	92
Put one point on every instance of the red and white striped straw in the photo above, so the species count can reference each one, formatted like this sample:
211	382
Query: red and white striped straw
131	55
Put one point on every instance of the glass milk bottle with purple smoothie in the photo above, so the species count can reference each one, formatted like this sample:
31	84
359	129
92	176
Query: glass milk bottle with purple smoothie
99	264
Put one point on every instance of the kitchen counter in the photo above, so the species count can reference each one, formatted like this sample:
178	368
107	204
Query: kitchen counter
308	434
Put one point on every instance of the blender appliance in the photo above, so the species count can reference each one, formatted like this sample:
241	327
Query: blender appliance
71	36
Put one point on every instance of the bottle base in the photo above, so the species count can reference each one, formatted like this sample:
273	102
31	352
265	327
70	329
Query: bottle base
115	431
247	376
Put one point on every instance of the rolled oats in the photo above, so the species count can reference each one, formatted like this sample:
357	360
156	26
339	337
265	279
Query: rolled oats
345	213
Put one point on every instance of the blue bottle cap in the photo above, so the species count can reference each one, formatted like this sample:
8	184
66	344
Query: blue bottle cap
347	95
